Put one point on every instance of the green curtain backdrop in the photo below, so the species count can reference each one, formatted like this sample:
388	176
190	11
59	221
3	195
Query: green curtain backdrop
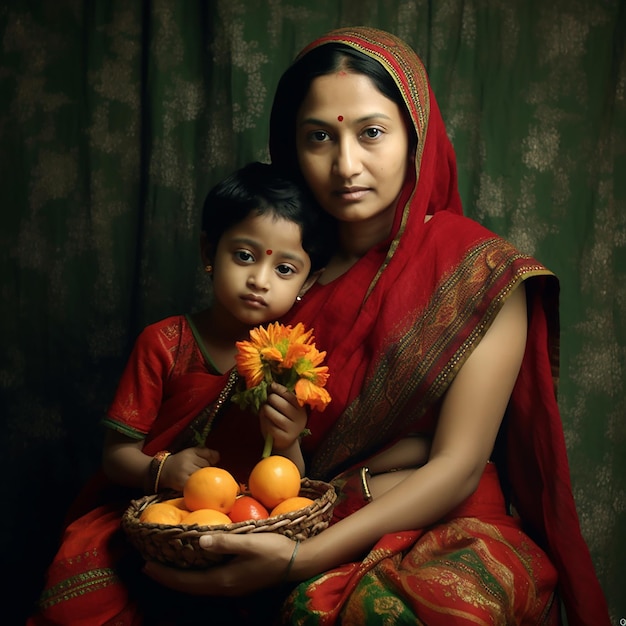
116	117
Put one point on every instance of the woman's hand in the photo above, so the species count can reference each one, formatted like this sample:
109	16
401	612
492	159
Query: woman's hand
260	561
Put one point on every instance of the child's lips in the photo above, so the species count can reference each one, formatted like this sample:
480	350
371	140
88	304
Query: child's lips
254	300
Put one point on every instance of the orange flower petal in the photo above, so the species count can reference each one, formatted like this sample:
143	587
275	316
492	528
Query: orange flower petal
249	364
313	395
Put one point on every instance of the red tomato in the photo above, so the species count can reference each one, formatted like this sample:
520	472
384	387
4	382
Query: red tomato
247	508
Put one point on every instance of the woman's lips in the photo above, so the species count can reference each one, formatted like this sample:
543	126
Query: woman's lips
352	194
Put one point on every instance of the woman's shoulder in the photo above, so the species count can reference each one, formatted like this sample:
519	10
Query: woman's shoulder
460	242
466	235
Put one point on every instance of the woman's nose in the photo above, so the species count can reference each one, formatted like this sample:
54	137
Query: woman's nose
347	161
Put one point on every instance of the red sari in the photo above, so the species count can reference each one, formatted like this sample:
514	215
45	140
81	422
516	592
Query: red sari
398	326
167	392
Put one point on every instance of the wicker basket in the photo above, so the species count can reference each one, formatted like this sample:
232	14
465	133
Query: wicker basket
179	545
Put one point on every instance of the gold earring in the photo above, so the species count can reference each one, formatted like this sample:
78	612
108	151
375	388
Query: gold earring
208	269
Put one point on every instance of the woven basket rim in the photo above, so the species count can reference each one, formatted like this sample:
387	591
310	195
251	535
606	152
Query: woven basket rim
178	545
319	505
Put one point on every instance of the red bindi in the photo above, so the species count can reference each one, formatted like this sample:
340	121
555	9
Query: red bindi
340	118
268	252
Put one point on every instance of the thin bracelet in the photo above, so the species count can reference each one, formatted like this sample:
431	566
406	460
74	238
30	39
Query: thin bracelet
156	466
365	476
291	562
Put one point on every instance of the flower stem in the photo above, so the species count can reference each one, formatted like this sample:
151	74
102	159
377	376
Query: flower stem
267	450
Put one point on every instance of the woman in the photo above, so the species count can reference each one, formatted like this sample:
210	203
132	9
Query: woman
442	342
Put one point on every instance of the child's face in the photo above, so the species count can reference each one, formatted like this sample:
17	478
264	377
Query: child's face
259	268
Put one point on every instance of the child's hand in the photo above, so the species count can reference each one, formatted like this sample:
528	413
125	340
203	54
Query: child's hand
282	417
178	467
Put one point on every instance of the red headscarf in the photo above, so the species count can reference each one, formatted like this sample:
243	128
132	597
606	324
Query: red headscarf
401	322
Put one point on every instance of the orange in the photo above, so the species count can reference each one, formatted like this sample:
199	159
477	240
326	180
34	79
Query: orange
179	503
291	504
210	488
206	517
161	513
274	479
247	508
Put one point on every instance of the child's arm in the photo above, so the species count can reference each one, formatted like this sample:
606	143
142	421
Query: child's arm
284	419
125	463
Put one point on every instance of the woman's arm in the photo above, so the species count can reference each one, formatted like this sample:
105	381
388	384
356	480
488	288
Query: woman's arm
470	417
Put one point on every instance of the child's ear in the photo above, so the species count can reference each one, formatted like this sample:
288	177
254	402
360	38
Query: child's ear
310	281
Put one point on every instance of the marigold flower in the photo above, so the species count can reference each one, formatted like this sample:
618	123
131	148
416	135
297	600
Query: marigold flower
286	355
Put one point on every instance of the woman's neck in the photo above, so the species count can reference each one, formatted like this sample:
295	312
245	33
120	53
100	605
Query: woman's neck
356	239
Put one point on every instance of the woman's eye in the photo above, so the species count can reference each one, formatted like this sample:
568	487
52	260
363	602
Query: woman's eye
285	270
244	256
372	133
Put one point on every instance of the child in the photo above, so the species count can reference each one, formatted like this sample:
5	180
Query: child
263	243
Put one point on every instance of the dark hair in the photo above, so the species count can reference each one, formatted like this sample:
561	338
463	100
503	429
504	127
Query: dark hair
294	85
263	189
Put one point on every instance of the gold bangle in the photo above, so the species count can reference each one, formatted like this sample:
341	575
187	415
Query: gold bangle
291	561
365	476
156	466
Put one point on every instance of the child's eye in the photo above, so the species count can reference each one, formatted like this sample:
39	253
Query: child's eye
244	256
285	269
319	135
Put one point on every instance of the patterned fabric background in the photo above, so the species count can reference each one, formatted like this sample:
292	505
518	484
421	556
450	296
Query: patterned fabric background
116	117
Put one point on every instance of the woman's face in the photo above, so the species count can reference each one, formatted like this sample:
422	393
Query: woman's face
352	146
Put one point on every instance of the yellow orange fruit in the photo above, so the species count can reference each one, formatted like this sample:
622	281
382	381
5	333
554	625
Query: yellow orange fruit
210	488
291	504
274	479
179	503
161	513
206	517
